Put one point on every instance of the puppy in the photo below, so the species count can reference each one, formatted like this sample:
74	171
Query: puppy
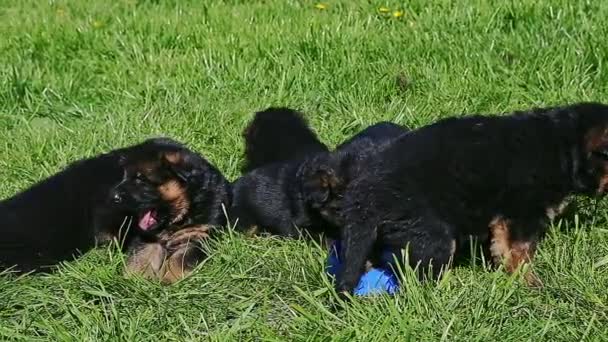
175	196
491	177
290	194
161	184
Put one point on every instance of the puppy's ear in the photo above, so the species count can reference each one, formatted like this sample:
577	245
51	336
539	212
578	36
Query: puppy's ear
184	164
320	185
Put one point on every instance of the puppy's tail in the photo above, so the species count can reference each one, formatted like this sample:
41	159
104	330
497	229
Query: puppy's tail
278	135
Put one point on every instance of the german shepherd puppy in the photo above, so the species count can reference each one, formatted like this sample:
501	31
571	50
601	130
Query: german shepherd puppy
130	195
495	178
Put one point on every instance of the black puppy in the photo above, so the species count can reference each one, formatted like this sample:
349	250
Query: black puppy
163	184
491	177
289	194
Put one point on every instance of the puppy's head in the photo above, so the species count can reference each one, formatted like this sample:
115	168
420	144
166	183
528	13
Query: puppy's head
323	183
160	176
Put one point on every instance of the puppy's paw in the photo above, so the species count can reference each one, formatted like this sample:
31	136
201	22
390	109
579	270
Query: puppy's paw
184	252
147	260
191	235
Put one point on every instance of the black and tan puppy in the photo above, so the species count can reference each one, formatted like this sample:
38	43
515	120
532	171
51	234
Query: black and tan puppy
491	177
284	195
162	185
175	196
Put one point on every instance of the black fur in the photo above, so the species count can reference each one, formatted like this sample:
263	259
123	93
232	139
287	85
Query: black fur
376	134
278	135
72	211
441	183
301	193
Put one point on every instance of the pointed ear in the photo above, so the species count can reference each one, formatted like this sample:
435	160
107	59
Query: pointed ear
181	163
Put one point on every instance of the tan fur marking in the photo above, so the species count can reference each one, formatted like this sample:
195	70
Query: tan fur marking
500	237
171	190
187	235
174	193
522	253
166	263
147	261
181	242
252	231
512	254
173	157
603	184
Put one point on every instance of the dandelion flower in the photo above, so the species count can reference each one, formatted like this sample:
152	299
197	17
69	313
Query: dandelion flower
321	6
398	14
384	9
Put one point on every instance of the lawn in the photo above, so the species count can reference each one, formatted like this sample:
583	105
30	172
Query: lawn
84	76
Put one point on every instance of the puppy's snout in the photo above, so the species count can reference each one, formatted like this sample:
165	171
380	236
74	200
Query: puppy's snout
117	198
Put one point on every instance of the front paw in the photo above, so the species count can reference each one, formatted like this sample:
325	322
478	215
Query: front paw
344	290
184	237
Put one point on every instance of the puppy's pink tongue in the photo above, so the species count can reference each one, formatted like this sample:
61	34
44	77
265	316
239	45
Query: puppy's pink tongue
147	220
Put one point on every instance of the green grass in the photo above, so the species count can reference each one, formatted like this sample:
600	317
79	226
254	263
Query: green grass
81	77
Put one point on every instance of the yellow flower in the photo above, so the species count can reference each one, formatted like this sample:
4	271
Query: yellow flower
321	6
398	14
384	9
97	24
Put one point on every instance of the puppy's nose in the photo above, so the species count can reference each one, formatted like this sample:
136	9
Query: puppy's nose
117	198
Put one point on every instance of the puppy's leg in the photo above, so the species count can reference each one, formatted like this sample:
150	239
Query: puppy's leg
430	243
512	249
357	244
184	252
170	259
244	222
146	259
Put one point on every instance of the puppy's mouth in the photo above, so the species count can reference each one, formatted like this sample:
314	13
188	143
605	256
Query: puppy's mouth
148	220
